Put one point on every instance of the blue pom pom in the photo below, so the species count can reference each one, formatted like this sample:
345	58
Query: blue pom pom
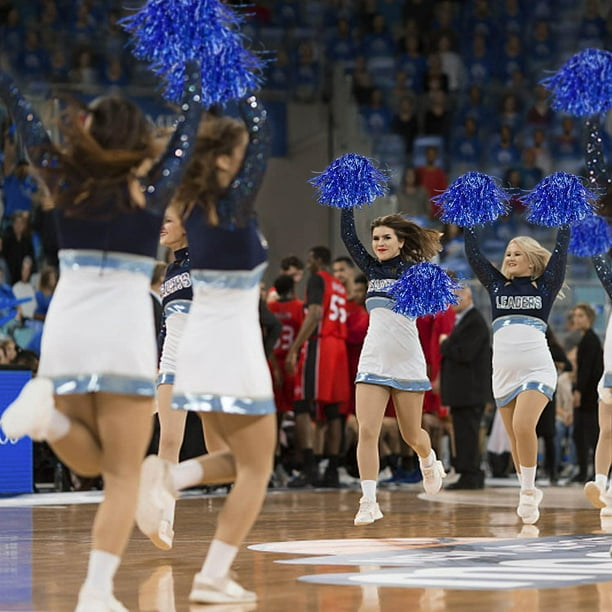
423	289
558	199
472	199
591	236
8	308
583	85
168	33
350	180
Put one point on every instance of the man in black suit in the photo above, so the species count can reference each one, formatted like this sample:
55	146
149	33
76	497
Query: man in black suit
465	386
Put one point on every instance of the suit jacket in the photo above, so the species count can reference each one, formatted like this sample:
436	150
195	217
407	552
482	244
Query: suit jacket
465	375
589	360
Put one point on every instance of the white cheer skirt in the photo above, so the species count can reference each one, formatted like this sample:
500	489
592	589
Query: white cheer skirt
221	365
99	334
175	313
521	358
392	355
604	387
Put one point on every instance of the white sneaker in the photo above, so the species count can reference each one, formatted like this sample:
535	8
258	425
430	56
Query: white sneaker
219	591
432	477
594	493
385	474
155	493
606	509
528	508
30	413
369	511
91	600
166	534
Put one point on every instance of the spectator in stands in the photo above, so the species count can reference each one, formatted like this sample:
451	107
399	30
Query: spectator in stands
12	36
531	174
479	65
32	62
512	17
435	78
541	151
279	73
17	244
307	75
503	154
376	114
405	122
540	113
566	145
452	64
23	288
83	71
510	112
378	42
412	197
114	74
44	294
412	62
363	85
59	68
592	32
286	14
342	45
421	11
482	21
511	59
467	148
432	176
83	30
399	90
437	117
20	189
542	52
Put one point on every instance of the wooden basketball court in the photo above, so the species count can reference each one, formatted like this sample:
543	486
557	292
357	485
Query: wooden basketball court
459	551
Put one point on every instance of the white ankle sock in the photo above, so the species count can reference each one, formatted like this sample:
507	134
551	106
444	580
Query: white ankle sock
368	489
58	426
527	479
187	474
427	462
219	559
601	480
101	570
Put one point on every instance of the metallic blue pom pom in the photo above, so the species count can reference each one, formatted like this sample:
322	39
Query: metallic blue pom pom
472	199
591	236
168	33
350	180
559	199
423	289
583	85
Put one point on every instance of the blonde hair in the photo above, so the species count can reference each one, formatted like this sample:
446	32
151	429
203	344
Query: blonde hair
536	254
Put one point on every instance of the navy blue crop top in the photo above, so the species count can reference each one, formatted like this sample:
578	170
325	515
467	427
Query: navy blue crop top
380	274
236	242
521	295
177	282
136	231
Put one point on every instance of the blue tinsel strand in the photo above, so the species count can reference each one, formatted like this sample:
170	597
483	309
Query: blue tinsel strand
472	199
8	308
583	85
559	199
591	236
423	289
168	33
350	180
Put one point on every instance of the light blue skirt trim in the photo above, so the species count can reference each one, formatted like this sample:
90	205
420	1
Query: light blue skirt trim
180	306
386	381
229	279
225	404
75	259
108	383
378	301
165	378
607	379
530	386
519	320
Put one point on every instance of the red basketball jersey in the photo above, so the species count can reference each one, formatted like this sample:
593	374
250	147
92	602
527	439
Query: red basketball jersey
333	320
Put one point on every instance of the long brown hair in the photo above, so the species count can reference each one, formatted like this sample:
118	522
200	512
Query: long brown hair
100	160
420	244
200	185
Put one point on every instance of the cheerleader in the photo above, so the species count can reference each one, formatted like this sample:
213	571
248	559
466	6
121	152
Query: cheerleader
598	491
524	374
93	398
391	364
222	372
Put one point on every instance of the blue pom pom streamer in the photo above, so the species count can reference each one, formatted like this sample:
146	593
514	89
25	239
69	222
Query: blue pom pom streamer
583	85
472	199
423	289
8	308
350	181
558	199
167	34
591	236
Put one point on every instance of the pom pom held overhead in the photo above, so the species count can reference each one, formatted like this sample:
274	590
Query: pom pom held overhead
472	199
559	199
583	85
590	237
423	289
350	180
168	33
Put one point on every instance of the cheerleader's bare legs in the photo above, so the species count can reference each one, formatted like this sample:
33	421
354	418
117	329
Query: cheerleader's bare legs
598	492
108	435
371	401
248	463
520	418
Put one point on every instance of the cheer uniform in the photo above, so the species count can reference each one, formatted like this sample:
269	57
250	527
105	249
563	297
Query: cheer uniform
99	331
221	365
520	309
324	369
291	315
176	294
604	388
392	355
